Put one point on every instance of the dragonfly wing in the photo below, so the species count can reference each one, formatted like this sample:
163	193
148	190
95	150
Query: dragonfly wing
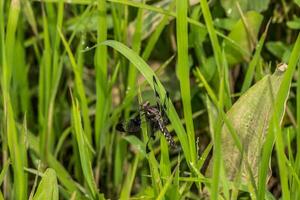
132	126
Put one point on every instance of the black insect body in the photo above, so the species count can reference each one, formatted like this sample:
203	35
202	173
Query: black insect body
156	120
155	117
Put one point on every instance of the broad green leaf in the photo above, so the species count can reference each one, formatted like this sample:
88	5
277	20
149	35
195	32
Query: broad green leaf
294	24
250	117
209	68
225	23
230	6
48	188
277	48
245	37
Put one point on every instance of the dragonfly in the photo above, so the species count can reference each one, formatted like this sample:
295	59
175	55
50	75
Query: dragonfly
155	116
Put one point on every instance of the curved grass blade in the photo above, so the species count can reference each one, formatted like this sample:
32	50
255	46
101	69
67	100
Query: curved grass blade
148	73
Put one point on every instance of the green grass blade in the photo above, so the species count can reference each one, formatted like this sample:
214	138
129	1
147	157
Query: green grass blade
54	76
166	186
165	165
85	159
79	87
4	171
44	87
217	162
102	104
212	33
297	157
253	62
281	157
61	140
136	45
125	193
20	181
183	73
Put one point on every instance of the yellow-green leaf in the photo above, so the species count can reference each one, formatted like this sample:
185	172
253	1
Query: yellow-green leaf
244	33
48	188
250	117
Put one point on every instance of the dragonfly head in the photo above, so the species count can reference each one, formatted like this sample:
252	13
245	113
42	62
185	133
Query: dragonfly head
145	105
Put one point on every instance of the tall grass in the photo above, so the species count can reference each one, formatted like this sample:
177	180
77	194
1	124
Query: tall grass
72	70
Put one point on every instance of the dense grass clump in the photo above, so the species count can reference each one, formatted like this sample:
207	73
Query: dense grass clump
72	71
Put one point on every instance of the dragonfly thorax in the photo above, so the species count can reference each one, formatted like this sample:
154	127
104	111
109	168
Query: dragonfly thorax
151	112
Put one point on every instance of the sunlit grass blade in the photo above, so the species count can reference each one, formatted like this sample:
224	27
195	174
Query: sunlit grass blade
4	171
166	185
83	151
165	165
136	46
20	179
212	33
217	162
61	140
254	62
183	73
281	157
125	193
102	103
297	156
80	91
44	88
54	77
